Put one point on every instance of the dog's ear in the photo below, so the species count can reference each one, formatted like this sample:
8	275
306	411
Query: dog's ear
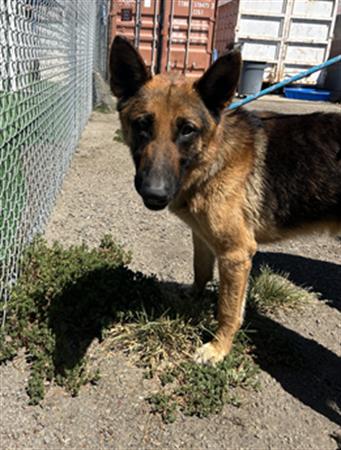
128	72
216	87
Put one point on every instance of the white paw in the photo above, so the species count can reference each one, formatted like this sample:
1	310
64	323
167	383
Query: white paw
208	354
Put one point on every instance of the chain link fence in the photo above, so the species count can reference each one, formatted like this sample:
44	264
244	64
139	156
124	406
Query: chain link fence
47	54
101	42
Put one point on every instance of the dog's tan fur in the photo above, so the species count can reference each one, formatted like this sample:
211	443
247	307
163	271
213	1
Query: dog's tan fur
222	194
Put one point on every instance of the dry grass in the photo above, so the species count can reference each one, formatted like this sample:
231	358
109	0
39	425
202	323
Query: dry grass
270	292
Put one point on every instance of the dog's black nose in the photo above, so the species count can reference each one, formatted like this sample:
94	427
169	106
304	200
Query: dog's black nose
154	197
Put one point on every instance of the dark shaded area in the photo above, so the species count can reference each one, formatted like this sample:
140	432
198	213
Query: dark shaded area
302	366
93	303
323	277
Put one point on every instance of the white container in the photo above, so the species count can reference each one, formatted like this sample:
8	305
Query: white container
290	35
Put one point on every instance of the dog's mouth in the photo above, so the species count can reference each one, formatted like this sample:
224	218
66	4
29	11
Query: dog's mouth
155	204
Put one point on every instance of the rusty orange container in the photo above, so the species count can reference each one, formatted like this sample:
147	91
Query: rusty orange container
170	34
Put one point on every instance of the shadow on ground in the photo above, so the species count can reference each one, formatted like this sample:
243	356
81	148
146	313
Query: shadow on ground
323	277
85	308
313	375
303	367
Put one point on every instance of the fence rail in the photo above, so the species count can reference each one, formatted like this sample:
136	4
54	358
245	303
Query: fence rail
48	49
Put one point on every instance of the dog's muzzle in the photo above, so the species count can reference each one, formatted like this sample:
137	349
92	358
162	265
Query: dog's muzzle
155	192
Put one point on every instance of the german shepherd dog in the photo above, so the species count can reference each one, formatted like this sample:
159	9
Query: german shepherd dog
235	177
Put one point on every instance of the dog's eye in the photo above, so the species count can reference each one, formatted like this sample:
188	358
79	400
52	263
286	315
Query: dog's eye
188	129
143	126
143	123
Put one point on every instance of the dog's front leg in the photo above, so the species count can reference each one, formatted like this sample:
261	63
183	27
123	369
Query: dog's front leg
234	270
203	262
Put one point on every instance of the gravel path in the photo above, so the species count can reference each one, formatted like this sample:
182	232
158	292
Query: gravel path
296	408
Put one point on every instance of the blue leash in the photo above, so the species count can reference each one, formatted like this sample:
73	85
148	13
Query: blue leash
276	86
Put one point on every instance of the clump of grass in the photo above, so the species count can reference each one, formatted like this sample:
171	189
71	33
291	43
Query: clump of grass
270	292
103	108
156	343
118	136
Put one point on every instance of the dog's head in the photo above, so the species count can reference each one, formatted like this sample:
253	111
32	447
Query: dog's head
168	120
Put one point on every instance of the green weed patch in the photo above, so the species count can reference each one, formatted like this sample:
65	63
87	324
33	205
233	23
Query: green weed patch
200	391
118	136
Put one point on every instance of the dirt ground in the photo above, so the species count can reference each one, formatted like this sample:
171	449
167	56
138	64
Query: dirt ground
296	408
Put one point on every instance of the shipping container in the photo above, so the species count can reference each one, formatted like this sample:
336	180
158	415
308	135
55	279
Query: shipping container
170	34
226	22
335	48
332	80
289	35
